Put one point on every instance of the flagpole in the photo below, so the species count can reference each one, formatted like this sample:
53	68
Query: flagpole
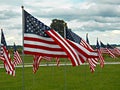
65	59
64	30
23	23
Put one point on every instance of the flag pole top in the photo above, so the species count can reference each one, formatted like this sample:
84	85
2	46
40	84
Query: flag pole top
22	7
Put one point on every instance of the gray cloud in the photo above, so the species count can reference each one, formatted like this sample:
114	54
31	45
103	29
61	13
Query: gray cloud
11	2
117	2
88	16
93	26
7	14
76	13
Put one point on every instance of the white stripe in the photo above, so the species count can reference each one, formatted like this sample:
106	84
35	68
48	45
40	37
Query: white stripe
83	57
44	51
41	44
38	36
85	50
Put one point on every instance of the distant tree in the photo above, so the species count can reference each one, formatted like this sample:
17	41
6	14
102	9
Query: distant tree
59	26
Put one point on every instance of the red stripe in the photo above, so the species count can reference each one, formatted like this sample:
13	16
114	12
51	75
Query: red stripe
8	59
42	47
17	59
38	40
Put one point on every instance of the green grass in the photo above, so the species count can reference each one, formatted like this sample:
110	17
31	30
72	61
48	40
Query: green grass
63	78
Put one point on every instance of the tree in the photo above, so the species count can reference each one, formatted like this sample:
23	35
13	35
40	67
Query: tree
59	26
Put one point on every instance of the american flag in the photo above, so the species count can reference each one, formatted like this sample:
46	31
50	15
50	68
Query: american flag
16	59
36	62
38	59
101	58
39	39
114	50
87	40
84	49
80	44
57	61
6	55
105	50
92	61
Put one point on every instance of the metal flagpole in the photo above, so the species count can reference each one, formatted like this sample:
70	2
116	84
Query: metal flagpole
65	59
23	23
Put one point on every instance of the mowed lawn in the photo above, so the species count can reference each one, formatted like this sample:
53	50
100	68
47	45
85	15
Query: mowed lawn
62	78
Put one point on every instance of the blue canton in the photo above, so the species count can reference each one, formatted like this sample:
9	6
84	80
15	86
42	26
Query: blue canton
102	45
97	46
72	36
109	46
3	42
34	26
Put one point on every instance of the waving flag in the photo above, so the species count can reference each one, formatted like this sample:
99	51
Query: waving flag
83	48
39	39
16	59
38	59
36	62
92	61
100	54
87	40
114	50
104	49
5	54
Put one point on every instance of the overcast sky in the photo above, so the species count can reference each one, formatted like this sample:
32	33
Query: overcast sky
98	18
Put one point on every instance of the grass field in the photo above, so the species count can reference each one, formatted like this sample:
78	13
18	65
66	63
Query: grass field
62	78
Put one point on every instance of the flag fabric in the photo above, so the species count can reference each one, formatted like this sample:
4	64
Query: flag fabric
92	61
114	50
66	46
38	59
6	55
101	58
117	51
36	62
87	40
105	50
50	59
80	44
57	61
84	47
16	59
39	39
2	58
47	58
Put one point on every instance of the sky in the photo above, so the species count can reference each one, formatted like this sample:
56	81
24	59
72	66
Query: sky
99	18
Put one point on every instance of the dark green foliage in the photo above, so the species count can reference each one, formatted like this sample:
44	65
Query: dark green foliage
59	26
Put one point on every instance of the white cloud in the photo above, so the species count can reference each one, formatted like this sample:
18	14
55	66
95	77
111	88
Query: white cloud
101	18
